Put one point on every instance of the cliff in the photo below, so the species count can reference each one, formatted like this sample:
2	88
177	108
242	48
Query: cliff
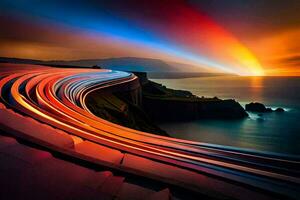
122	104
164	104
144	103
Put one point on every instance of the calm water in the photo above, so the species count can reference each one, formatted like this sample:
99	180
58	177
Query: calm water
272	132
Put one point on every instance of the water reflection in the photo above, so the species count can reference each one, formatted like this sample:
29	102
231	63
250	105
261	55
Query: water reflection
270	132
256	87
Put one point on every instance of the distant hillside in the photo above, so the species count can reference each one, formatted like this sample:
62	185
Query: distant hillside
155	68
123	63
181	67
20	60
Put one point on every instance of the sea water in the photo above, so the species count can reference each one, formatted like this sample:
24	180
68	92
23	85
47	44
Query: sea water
269	132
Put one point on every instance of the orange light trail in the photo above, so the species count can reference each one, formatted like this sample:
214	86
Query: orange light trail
57	97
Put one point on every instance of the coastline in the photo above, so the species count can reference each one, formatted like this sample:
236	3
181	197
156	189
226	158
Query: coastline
141	156
268	132
158	104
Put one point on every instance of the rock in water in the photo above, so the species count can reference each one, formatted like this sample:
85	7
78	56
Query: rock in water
261	108
257	107
279	110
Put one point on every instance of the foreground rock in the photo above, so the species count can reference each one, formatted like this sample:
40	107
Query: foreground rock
261	108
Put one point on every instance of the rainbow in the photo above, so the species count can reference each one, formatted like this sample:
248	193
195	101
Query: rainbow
168	30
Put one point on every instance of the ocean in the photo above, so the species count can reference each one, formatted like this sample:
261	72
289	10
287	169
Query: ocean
271	132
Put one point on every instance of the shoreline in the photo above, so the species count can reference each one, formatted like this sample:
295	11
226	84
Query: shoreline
161	104
167	160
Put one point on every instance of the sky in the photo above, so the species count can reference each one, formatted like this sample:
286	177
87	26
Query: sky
246	37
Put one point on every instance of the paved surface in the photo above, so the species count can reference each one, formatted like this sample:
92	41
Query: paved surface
30	173
46	106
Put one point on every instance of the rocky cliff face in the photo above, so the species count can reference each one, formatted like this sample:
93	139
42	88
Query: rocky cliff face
261	108
140	105
163	104
171	110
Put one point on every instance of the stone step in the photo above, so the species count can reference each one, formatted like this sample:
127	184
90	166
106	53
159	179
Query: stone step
25	153
32	130
7	141
163	195
133	192
99	152
30	173
11	172
63	180
164	172
111	187
203	184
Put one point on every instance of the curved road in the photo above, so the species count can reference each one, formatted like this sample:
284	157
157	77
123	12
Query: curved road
56	97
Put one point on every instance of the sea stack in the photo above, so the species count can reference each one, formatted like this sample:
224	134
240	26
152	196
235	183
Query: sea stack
261	108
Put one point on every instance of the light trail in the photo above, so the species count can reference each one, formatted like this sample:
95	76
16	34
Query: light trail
57	97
